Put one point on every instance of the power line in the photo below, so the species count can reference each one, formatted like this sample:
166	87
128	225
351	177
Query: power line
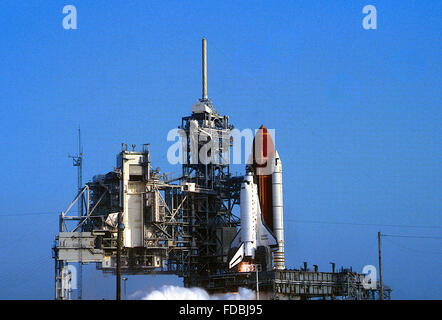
407	236
293	220
28	214
365	224
413	250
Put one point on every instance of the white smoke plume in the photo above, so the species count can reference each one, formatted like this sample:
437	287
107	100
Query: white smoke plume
169	292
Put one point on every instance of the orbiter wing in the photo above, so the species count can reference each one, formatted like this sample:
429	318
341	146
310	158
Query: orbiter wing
265	237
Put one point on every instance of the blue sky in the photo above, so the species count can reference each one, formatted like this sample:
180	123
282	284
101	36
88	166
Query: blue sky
357	115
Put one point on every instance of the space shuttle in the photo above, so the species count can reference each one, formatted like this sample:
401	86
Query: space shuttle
261	235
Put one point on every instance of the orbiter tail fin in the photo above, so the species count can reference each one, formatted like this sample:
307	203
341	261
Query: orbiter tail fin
265	236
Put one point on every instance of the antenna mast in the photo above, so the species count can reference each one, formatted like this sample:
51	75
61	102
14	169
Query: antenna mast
205	97
78	162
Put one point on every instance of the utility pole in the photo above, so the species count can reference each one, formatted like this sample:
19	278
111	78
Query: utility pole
257	269
120	228
381	294
125	292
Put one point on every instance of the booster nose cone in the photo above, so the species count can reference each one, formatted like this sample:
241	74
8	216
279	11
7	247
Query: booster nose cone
277	161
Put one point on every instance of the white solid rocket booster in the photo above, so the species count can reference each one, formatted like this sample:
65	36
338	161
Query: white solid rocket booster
278	224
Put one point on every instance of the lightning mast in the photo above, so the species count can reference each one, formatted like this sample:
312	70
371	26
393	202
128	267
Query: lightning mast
78	162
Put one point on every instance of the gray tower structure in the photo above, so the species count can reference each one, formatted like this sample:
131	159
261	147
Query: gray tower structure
212	191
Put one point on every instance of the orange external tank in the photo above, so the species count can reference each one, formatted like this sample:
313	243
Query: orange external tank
263	154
